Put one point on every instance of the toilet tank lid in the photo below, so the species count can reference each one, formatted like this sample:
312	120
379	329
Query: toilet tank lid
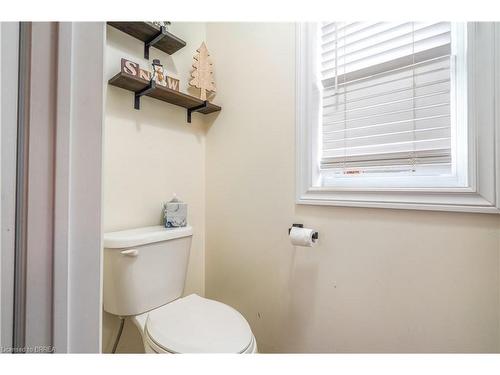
143	236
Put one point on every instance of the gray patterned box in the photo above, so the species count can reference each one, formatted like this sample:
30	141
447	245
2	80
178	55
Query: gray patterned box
175	213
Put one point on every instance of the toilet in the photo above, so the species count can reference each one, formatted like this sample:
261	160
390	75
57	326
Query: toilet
144	275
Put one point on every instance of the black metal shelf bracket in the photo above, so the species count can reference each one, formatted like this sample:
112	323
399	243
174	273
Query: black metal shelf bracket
196	109
146	90
162	34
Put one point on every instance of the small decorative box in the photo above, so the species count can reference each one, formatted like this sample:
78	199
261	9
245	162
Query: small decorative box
175	213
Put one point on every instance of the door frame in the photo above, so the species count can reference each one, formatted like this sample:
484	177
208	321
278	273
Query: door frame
9	63
64	280
77	312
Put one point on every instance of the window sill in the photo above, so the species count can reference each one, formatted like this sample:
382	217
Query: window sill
457	201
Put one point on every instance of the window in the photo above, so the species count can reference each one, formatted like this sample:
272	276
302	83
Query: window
387	102
397	115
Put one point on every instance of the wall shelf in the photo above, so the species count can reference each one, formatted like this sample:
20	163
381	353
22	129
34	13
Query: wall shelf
151	35
142	87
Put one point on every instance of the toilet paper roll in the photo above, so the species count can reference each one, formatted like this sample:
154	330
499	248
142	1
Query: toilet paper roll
302	237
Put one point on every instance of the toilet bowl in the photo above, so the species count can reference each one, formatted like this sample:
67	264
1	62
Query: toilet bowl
194	324
144	275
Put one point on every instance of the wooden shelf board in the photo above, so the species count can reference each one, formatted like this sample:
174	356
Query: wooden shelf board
132	83
145	31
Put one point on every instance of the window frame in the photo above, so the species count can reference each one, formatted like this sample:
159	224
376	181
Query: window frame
480	193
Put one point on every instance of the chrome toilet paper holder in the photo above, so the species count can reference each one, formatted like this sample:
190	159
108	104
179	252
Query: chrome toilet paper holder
315	235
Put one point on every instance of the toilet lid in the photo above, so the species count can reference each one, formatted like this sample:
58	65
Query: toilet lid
198	325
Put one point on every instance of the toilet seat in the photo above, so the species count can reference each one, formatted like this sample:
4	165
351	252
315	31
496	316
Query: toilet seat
198	325
152	347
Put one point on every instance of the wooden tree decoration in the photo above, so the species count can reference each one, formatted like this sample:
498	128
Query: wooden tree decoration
203	72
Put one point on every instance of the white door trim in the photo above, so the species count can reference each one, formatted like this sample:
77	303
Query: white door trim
62	178
9	50
78	229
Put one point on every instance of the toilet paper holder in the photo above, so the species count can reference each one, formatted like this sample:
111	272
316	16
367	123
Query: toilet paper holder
315	235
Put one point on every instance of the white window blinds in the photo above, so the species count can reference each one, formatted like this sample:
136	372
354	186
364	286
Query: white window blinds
386	97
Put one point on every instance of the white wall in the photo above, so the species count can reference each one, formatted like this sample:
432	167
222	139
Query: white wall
152	153
380	280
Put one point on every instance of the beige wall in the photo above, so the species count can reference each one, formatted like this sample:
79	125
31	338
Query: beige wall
150	154
380	281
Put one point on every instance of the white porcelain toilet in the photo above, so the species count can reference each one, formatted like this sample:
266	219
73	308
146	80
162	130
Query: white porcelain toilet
144	275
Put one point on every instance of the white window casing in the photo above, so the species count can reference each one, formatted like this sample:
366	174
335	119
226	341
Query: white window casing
453	140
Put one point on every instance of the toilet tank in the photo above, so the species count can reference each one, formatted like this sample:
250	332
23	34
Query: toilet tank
144	268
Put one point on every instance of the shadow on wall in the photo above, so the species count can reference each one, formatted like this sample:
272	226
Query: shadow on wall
131	340
130	47
120	106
